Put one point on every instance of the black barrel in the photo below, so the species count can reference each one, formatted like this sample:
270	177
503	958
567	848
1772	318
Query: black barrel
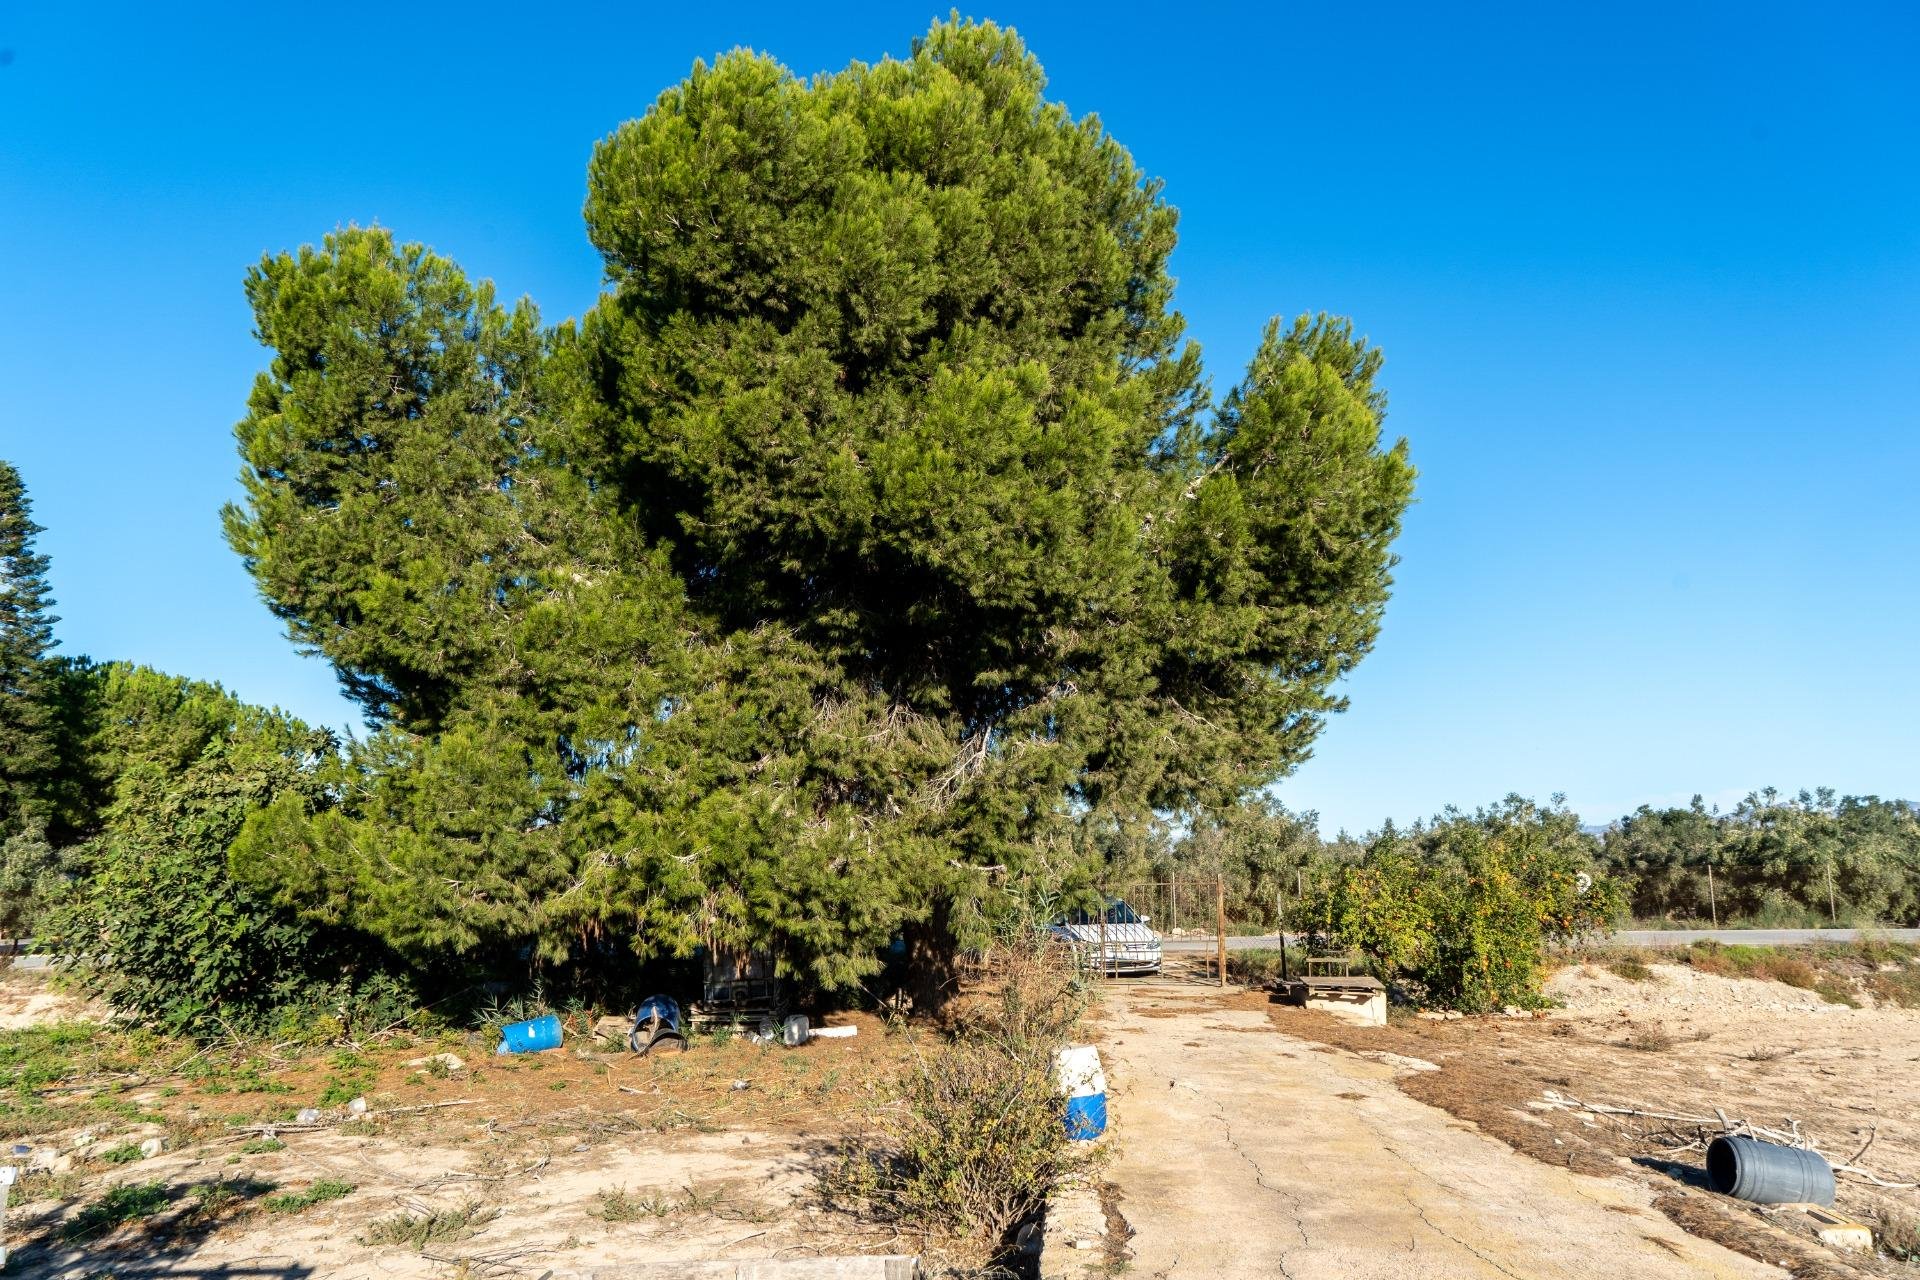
1767	1173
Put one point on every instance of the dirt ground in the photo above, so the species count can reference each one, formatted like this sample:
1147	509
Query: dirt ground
558	1161
1682	1042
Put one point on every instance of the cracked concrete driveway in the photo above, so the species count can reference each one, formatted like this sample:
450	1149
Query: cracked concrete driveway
1245	1152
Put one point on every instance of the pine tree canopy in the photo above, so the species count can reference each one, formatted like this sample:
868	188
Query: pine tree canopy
28	729
870	543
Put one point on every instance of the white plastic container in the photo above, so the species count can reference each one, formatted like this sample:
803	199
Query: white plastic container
1078	1075
834	1033
7	1175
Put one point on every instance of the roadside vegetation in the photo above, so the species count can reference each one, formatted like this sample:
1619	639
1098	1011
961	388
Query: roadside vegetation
978	1139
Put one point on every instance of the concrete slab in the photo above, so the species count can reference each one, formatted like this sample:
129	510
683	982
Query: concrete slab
1358	1000
1244	1153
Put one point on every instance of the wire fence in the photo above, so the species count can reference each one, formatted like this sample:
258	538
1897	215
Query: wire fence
1175	910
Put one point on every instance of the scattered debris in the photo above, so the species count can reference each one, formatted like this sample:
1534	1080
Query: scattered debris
1839	1232
833	1033
1721	1125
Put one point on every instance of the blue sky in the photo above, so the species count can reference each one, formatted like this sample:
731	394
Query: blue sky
1647	278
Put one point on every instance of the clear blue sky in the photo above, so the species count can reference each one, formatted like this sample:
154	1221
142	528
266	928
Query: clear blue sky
1647	277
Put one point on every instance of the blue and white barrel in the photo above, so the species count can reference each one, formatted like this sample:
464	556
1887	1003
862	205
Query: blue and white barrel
1077	1074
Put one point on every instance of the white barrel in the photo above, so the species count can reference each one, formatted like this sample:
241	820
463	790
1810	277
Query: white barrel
1077	1073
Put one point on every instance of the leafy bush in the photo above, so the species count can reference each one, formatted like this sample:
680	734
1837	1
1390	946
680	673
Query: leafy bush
981	1137
31	881
1464	909
158	925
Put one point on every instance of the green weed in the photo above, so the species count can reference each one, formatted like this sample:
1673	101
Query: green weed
431	1226
119	1206
1632	968
319	1193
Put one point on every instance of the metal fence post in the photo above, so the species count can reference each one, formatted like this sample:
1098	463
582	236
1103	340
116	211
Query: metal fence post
1220	923
1105	964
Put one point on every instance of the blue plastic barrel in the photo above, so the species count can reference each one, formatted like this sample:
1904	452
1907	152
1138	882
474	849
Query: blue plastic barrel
1087	1117
531	1036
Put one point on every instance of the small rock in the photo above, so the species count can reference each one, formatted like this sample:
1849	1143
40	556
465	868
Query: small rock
84	1138
152	1147
307	1115
742	1084
357	1107
1086	1244
47	1161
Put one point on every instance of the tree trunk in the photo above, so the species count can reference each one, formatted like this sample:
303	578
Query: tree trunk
932	977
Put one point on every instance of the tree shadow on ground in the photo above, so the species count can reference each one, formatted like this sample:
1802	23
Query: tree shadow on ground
140	1229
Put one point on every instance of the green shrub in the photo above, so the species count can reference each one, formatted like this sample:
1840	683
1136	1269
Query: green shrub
1464	909
1812	859
319	1193
155	921
1632	968
128	1203
431	1226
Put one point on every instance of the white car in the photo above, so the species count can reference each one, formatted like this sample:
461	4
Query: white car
1131	946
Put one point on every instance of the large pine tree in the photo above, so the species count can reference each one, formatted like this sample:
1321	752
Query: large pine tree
28	726
866	558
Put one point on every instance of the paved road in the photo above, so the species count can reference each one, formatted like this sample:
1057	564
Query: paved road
1244	1153
1624	938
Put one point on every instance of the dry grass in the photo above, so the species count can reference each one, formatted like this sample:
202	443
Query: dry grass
1896	1229
978	1138
1771	1053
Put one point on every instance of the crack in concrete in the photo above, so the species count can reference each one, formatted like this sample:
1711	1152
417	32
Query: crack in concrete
1292	1200
1448	1235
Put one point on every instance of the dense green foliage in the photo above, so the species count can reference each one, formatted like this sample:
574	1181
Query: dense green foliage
158	925
1466	906
867	559
120	792
1812	859
29	728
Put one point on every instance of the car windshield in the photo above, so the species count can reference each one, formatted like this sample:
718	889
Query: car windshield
1118	912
